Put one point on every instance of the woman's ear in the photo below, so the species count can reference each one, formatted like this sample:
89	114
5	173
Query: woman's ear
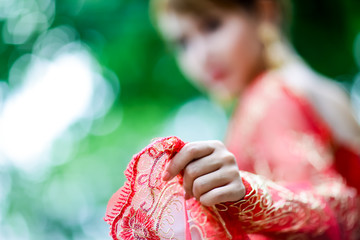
276	53
269	11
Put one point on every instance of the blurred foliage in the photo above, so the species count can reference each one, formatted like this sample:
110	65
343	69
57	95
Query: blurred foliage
324	31
68	200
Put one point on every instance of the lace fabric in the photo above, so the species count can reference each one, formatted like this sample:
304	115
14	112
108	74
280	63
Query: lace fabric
147	207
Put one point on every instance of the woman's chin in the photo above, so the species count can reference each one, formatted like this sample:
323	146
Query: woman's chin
223	96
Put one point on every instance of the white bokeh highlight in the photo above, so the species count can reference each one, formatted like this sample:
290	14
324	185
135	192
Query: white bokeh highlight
197	120
53	95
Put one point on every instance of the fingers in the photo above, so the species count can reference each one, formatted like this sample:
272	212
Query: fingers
207	182
196	169
211	173
227	193
188	153
216	162
226	176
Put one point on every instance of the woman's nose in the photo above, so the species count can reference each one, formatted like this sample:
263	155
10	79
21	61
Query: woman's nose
202	51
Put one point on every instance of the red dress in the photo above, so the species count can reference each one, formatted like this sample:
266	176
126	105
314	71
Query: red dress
309	183
300	184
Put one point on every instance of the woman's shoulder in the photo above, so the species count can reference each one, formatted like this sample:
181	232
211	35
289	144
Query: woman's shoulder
328	99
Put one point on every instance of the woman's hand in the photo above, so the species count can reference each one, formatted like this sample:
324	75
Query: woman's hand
211	174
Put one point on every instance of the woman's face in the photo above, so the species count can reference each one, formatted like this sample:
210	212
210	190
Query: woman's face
220	52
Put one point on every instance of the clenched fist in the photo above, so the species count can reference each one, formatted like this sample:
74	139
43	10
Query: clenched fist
211	174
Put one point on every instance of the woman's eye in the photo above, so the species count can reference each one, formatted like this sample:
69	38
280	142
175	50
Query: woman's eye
180	44
211	24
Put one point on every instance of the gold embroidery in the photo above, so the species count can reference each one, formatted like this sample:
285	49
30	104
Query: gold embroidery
199	216
268	206
222	222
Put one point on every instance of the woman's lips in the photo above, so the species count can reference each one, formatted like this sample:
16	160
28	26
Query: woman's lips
218	75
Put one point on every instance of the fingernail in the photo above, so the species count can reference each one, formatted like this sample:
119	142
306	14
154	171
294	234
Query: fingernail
166	176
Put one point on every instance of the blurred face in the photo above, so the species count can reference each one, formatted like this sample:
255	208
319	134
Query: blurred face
220	52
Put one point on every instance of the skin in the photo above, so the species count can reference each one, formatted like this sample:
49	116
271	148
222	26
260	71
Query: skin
220	52
211	174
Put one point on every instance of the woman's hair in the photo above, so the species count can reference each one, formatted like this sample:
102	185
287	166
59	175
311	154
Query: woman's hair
199	7
204	7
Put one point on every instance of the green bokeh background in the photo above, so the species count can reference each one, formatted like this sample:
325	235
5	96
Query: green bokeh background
68	202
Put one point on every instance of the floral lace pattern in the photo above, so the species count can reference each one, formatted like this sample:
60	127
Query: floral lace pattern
138	225
147	207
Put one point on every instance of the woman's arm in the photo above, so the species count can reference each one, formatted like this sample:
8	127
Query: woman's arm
308	194
328	211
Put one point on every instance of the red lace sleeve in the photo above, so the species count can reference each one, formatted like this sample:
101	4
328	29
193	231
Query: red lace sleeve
137	209
293	211
148	208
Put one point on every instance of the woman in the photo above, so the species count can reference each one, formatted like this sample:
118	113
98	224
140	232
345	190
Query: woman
292	136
